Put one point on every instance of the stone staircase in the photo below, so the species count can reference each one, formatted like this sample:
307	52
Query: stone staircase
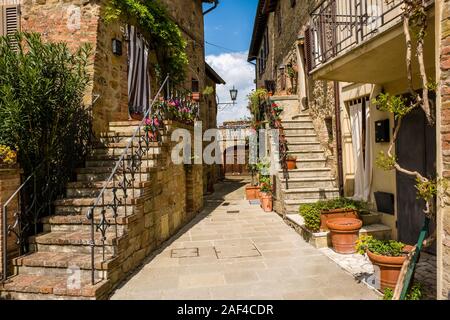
312	180
59	265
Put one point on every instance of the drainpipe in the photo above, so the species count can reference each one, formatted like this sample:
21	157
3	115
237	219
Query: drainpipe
340	166
216	3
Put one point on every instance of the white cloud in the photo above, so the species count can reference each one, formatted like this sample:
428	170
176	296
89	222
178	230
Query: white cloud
236	71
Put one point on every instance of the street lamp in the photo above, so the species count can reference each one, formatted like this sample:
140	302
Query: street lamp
233	94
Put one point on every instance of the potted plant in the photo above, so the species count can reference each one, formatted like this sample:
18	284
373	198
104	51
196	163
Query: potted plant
291	162
317	214
388	255
196	96
252	189
8	156
344	233
339	208
266	195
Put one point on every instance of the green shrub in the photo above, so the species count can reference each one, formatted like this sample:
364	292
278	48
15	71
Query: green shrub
311	215
389	248
415	293
42	86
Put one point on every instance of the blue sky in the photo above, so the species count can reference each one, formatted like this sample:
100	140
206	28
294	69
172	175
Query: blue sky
230	26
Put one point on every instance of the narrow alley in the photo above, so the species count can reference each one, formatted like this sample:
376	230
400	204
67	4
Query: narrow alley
234	250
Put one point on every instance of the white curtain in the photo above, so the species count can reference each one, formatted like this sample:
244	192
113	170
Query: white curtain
363	167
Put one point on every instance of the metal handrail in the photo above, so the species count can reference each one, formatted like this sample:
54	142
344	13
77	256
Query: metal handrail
337	26
103	225
6	227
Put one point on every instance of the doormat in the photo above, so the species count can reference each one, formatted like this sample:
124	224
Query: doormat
233	211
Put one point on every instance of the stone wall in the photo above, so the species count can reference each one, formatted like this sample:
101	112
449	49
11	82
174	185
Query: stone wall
9	182
284	49
444	217
172	198
78	22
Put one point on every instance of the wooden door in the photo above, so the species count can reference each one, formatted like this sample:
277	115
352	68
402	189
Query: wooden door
416	150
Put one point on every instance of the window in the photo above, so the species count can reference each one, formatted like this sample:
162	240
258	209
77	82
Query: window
279	19
263	54
9	19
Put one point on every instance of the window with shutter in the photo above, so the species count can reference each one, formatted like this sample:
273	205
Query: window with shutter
308	47
10	19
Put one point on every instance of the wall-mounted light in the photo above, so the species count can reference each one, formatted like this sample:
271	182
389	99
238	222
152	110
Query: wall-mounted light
117	47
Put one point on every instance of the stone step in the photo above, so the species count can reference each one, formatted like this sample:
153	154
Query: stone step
39	287
95	177
147	163
304	146
64	264
314	163
95	192
298	132
87	202
308	155
127	123
98	170
80	223
119	151
308	173
123	144
66	209
73	242
298	124
316	182
311	193
115	157
302	138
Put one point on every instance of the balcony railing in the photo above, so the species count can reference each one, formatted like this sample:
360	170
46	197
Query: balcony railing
337	26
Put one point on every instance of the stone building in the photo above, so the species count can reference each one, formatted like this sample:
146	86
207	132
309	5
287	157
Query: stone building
155	197
309	119
341	69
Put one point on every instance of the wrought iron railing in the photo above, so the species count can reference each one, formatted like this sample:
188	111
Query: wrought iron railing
129	167
34	198
337	26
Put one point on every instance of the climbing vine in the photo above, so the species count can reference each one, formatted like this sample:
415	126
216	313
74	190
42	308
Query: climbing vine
152	20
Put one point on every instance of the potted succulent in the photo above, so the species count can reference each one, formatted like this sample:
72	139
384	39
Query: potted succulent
291	162
344	233
388	255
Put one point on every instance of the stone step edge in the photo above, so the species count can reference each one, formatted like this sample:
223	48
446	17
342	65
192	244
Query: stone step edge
99	290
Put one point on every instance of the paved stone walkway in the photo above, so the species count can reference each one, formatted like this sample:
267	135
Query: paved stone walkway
234	250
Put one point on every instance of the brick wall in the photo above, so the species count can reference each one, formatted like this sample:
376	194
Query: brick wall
9	182
445	144
77	22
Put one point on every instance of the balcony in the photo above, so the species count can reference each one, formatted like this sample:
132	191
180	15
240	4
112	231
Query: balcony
361	41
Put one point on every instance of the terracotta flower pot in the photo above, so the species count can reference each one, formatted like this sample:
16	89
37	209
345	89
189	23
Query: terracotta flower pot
251	192
196	96
291	164
334	214
344	234
390	267
266	202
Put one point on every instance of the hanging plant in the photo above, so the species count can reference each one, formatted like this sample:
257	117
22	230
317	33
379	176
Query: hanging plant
152	20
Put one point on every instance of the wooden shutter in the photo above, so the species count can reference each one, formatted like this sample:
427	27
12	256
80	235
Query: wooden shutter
10	19
308	47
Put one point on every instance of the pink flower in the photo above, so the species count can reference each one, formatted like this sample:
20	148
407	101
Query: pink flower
156	122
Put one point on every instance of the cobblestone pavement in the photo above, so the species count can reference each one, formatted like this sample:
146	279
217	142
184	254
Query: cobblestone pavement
234	250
